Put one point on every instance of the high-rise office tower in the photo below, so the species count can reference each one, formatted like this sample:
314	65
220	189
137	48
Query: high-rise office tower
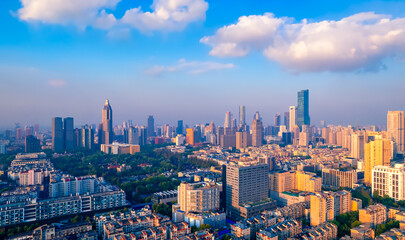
376	153
257	132
396	129
277	120
293	120
151	126
107	121
143	136
246	185
243	139
18	133
303	108
190	139
287	120
179	129
68	133
86	137
228	120
36	129
57	135
28	130
242	115
32	144
133	135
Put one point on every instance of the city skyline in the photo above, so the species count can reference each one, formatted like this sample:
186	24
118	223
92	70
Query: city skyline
268	120
58	64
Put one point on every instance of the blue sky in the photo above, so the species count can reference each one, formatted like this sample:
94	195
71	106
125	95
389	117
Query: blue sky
196	59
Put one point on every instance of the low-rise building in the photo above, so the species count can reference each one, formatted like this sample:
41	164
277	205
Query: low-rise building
283	230
362	232
373	214
119	148
58	231
324	231
164	197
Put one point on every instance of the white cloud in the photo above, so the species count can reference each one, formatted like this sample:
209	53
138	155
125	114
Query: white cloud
193	67
360	41
81	13
167	15
57	83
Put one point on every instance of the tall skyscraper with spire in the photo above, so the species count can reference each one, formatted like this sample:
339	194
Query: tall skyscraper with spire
107	122
303	108
257	131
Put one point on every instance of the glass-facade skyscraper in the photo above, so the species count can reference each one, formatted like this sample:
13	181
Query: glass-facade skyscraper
179	129
303	108
242	115
151	126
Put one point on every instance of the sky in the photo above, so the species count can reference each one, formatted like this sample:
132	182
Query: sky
197	59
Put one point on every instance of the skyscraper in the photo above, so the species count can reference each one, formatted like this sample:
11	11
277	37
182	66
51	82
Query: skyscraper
242	115
179	129
57	135
133	135
143	136
277	120
257	131
247	185
151	126
376	153
32	144
293	114
287	120
68	133
396	129
303	108
228	120
357	146
107	121
190	136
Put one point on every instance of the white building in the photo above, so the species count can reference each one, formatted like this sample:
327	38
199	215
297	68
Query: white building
389	181
31	177
72	186
180	139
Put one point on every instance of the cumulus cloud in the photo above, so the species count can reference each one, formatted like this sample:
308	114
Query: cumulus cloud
361	41
193	67
167	15
57	83
77	12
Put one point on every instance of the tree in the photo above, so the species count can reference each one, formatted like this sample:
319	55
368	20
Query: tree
355	224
